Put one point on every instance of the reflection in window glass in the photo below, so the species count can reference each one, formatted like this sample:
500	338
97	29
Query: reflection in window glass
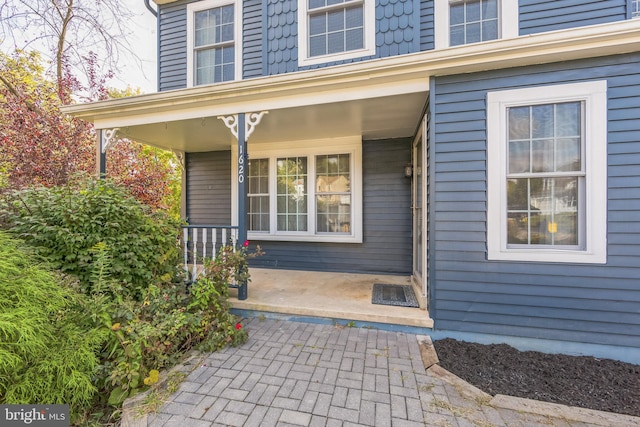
258	194
545	174
214	45
333	193
473	21
291	193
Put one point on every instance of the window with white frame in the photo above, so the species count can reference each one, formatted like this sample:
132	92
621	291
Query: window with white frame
332	30
547	173
461	22
312	194
213	42
635	8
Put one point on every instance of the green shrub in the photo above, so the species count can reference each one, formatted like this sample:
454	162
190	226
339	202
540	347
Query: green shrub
47	347
66	222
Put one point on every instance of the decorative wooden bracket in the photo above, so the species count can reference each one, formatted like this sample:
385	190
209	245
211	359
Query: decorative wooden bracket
252	120
108	135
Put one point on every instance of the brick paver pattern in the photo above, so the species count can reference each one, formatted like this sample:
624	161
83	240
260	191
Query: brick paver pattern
301	374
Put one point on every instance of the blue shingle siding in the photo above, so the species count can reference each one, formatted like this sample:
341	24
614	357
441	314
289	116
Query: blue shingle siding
586	303
387	222
537	16
397	24
172	46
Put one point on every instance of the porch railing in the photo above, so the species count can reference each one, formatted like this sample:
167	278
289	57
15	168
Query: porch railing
204	241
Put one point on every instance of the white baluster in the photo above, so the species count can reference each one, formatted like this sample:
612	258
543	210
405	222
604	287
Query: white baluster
185	238
214	238
224	237
195	253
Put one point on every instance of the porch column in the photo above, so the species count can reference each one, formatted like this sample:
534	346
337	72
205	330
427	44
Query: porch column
242	128
105	137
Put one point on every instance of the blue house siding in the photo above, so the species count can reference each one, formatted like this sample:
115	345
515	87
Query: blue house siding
172	46
426	25
537	16
595	304
386	214
252	39
387	222
209	188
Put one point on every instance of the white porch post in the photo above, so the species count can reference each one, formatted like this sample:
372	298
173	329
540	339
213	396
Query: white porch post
242	128
105	137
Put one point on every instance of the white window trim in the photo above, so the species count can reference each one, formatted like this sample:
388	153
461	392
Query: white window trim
508	18
349	145
594	95
198	6
303	37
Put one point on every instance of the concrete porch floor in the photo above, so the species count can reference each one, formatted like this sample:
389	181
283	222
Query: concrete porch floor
326	295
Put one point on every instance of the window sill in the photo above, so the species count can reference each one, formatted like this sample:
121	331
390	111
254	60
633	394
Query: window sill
548	255
252	236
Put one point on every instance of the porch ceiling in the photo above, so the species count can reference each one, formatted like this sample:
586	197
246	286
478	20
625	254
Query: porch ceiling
374	118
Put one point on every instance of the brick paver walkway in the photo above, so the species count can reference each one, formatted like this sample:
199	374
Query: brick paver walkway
302	374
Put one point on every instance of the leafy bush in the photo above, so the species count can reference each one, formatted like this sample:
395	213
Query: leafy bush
66	222
47	348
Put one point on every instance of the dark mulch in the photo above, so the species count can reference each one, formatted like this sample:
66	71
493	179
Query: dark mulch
587	382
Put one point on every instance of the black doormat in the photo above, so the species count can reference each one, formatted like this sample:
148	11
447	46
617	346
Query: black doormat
400	295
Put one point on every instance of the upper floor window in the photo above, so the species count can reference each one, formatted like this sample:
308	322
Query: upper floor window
213	42
547	173
635	8
460	22
333	30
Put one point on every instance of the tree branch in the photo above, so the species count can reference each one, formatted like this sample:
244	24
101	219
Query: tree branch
30	105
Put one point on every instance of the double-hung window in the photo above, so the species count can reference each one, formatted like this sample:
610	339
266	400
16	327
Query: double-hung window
461	22
547	173
332	30
312	194
635	8
212	42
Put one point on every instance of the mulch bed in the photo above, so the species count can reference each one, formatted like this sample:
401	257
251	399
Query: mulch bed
587	382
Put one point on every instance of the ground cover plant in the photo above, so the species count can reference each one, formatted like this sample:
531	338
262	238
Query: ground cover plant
133	313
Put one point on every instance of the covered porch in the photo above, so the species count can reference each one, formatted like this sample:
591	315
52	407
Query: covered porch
340	297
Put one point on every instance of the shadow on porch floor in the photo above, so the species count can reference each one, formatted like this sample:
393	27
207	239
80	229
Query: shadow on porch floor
326	295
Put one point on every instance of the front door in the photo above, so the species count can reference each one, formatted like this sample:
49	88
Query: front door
419	208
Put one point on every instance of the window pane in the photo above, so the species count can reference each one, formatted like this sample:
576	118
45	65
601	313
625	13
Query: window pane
473	33
314	4
456	14
354	17
333	193
317	24
542	121
473	11
292	193
568	122
519	157
354	39
519	123
568	154
542	156
318	45
335	20
543	211
489	30
205	64
489	9
456	35
335	42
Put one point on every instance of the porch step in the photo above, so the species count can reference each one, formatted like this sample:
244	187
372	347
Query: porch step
326	295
